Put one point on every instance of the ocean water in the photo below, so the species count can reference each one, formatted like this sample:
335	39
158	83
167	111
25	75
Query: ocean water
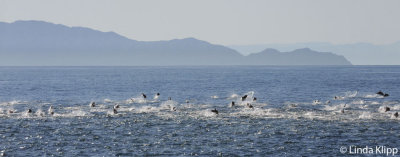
295	113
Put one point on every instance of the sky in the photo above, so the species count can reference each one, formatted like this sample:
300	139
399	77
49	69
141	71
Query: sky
226	22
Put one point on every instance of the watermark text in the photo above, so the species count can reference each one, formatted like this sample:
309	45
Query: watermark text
371	150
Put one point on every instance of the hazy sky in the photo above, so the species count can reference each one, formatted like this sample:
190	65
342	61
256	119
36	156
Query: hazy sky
227	22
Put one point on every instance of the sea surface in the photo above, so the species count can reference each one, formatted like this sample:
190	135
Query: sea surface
295	112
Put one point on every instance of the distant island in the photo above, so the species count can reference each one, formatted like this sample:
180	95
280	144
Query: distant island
357	53
38	43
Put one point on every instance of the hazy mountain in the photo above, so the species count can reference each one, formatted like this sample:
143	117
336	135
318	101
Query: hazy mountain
359	53
42	43
304	56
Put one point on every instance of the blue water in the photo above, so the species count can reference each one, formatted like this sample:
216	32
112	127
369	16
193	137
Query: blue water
285	120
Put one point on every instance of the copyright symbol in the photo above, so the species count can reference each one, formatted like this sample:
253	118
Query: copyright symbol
343	149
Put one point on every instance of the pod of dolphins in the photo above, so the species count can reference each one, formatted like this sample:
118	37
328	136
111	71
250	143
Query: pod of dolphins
215	111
